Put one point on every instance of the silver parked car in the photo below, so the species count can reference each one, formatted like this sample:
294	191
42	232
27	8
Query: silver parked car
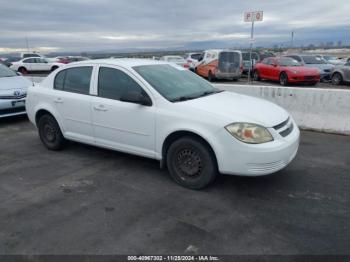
13	91
324	68
341	74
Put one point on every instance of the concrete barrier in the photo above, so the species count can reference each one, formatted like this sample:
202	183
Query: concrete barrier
326	110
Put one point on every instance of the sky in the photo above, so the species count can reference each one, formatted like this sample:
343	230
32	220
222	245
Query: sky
97	25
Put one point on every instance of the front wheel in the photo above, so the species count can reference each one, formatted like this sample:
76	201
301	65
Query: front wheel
337	79
50	133
256	75
191	163
284	79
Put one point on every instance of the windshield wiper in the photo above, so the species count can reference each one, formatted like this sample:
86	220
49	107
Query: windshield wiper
206	93
182	98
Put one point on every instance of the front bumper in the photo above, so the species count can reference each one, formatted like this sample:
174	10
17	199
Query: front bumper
238	158
12	107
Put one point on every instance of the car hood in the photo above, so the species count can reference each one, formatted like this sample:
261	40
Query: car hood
232	107
320	66
302	69
14	83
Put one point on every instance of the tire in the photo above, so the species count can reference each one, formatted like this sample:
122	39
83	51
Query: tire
211	77
50	133
23	70
54	68
256	76
283	79
337	79
191	163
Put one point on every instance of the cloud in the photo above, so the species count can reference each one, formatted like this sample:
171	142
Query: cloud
86	25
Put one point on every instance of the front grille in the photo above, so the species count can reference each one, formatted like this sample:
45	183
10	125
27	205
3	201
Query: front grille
265	167
286	132
12	110
279	126
327	70
13	97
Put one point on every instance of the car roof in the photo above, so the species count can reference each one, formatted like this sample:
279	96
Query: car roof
123	62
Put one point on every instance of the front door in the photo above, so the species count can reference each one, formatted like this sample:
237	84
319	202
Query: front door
123	126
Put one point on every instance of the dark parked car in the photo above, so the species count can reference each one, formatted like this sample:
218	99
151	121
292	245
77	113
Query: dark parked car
247	63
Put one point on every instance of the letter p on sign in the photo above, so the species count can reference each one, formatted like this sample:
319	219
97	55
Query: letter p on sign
253	16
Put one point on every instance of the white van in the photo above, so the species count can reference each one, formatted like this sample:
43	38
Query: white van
220	64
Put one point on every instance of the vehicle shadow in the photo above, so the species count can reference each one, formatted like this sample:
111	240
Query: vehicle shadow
13	120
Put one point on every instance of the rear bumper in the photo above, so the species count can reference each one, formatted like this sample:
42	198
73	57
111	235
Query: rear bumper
12	107
222	75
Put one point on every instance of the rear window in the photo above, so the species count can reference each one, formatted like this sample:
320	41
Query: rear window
195	56
75	80
230	57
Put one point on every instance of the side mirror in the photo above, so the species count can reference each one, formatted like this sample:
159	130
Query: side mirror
136	98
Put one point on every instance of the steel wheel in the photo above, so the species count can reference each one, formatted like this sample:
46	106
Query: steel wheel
256	76
50	132
337	79
191	162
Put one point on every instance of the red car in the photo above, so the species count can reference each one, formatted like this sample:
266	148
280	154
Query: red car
285	70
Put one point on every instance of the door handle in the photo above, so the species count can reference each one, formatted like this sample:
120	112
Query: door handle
58	100
100	108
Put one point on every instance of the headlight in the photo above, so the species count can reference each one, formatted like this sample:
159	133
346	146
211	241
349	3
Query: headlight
249	133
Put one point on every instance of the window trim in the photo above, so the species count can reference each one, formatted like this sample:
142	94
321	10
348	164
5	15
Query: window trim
65	75
125	71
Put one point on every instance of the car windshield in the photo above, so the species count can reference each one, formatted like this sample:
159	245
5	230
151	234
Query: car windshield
313	60
288	62
328	57
6	72
175	84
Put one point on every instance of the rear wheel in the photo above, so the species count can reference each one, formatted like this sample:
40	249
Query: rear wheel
256	75
211	77
337	79
50	133
23	70
191	163
283	79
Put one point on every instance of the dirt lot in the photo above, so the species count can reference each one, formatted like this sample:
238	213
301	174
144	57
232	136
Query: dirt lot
86	200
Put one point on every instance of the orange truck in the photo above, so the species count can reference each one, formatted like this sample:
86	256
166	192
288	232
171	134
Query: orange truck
220	64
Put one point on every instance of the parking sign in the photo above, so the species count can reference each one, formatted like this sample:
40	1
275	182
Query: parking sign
253	16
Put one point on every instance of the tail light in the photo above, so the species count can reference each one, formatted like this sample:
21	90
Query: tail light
186	66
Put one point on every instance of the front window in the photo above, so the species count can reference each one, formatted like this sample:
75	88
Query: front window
288	62
313	60
6	72
175	84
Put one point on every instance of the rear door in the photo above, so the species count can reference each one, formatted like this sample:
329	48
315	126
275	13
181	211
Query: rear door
72	100
122	125
230	62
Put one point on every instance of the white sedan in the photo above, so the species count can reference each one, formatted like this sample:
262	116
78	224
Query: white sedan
165	112
13	91
34	64
175	59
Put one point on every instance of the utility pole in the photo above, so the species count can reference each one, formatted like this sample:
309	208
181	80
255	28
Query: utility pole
292	40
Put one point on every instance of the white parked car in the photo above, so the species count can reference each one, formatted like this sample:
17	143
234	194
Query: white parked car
175	59
34	64
163	111
13	91
192	59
